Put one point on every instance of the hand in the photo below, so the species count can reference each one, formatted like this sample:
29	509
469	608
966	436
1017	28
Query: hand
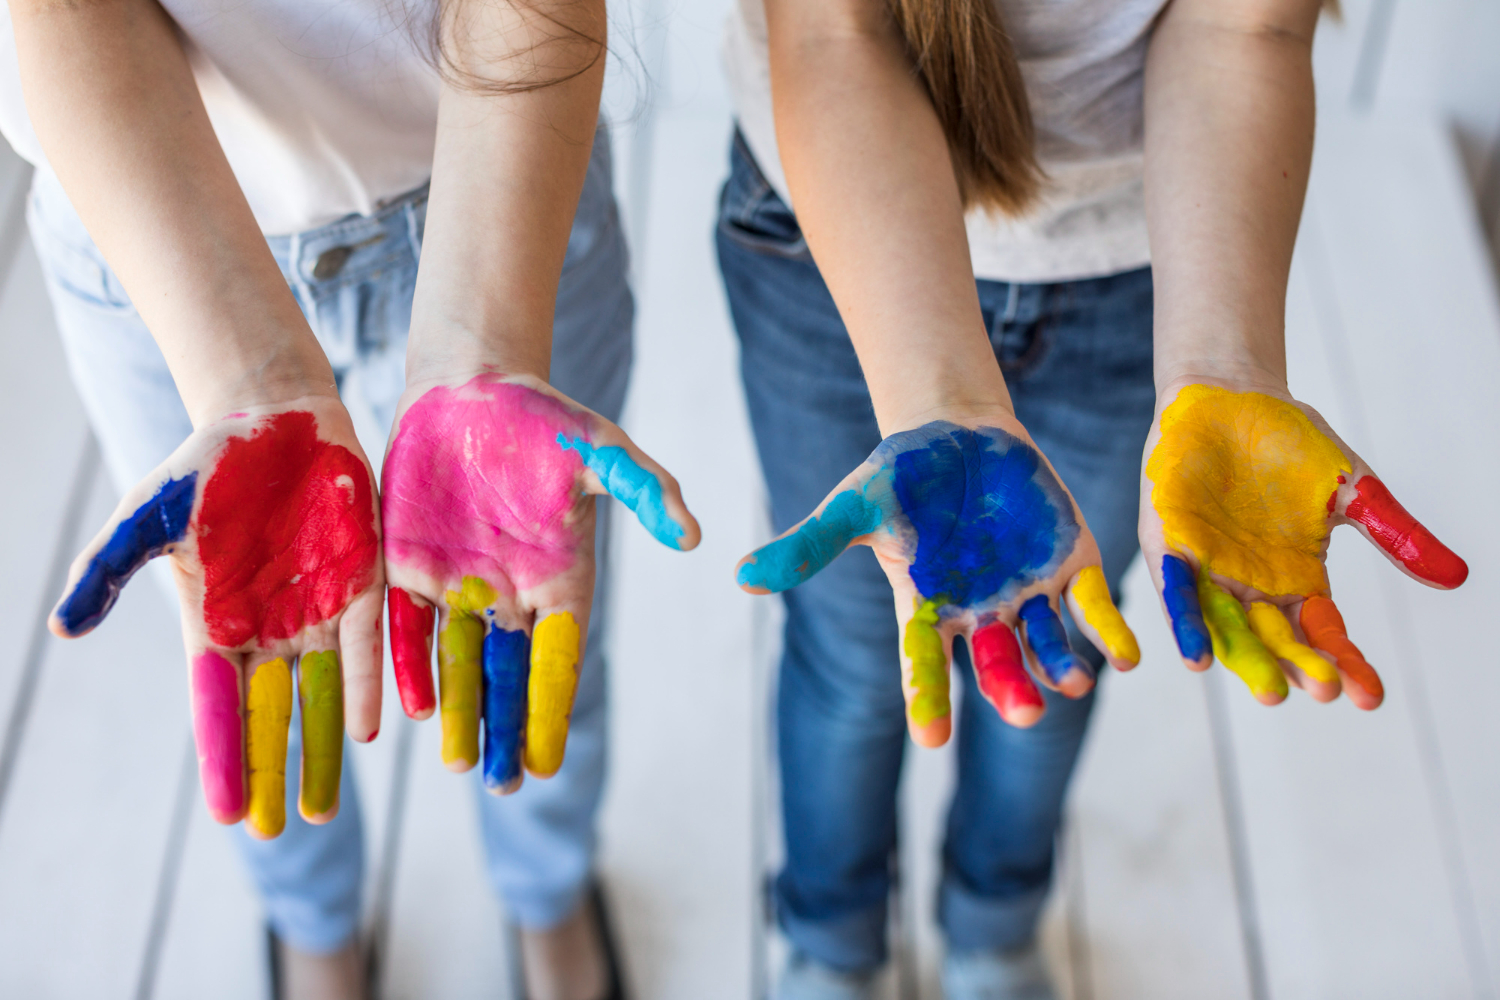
488	499
977	537
1239	496
269	517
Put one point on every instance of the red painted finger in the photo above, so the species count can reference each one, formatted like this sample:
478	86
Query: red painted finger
1324	628
1002	676
1403	537
411	649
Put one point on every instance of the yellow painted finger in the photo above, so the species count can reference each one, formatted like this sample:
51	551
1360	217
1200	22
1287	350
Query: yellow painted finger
1235	643
549	692
1275	631
923	645
460	672
269	707
321	689
1091	591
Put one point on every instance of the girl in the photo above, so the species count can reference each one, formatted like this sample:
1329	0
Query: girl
1031	239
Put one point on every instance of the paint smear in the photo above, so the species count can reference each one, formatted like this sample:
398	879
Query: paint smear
141	537
1180	594
1324	628
460	672
476	486
929	664
1001	673
1091	591
269	707
219	735
630	484
507	657
286	532
820	540
322	691
1236	645
1403	536
554	681
1242	481
1272	628
411	651
1049	640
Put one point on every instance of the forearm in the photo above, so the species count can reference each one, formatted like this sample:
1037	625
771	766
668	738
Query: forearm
877	198
1229	134
116	108
506	179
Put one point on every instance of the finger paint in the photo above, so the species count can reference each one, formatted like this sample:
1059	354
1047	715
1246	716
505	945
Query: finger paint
1242	481
554	682
1324	628
411	651
149	532
268	704
1049	640
218	734
1180	594
819	540
1091	591
990	517
476	486
929	664
286	532
630	484
460	671
1001	674
322	691
507	657
1403	536
1270	625
1235	644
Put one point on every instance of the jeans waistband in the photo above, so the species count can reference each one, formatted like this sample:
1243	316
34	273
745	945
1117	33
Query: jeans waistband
354	248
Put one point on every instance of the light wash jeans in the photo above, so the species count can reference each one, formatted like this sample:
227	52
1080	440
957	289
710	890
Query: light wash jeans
1077	359
354	279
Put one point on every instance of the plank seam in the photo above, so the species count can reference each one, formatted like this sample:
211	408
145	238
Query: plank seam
171	870
13	220
385	879
1372	47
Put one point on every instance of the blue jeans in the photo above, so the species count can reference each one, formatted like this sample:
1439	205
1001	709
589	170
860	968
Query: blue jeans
354	279
1077	360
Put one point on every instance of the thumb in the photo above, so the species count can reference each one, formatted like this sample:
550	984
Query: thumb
1402	537
846	515
631	477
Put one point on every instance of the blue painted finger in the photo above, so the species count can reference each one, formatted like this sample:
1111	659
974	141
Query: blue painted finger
141	537
507	659
1049	640
630	484
796	558
1180	594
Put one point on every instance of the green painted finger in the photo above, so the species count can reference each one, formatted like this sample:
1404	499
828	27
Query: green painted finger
929	664
1235	643
321	688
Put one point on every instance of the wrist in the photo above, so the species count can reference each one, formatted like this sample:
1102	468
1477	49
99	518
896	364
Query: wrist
1238	376
266	383
453	353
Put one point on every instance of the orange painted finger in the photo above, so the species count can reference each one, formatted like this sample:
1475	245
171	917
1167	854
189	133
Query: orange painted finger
1324	628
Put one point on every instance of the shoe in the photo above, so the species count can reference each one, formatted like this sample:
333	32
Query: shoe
996	975
806	978
615	989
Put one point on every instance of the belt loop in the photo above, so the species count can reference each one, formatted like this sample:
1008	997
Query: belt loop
1012	302
413	234
299	284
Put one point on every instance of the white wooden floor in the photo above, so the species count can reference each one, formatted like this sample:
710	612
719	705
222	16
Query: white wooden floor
1214	849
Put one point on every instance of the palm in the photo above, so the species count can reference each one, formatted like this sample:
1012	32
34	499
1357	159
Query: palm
270	522
976	535
1248	487
490	519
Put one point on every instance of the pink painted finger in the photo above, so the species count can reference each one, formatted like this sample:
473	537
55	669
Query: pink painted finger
411	651
1002	676
218	732
1402	536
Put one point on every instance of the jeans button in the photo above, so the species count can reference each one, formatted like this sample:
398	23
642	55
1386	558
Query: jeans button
331	262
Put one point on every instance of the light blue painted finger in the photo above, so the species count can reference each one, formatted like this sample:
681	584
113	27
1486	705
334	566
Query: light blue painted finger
630	484
789	561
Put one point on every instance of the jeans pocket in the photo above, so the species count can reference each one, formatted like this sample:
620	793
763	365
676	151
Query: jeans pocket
752	214
69	257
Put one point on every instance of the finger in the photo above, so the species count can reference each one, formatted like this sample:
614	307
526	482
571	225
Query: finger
507	656
803	551
928	709
460	673
1097	617
626	474
218	733
320	689
1002	676
363	656
1270	625
268	704
132	540
1324	628
1064	669
550	691
1236	645
411	651
1402	537
1179	592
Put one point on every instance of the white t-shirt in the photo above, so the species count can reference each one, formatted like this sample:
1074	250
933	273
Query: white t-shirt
1084	64
323	107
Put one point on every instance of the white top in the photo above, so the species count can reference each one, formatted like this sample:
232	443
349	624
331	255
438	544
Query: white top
323	107
1084	64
